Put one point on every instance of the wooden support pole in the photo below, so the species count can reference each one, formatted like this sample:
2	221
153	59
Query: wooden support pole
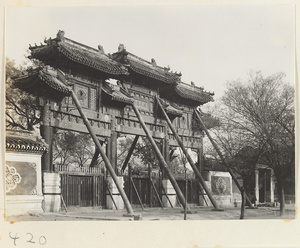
129	182
167	196
96	155
130	152
102	152
160	157
200	168
111	196
195	169
150	193
221	156
202	193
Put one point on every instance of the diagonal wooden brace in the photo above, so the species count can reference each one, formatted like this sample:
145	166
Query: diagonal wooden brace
221	156
130	152
195	169
163	164
104	157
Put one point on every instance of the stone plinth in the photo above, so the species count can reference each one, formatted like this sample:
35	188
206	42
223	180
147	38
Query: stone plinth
220	185
170	191
115	194
23	192
52	191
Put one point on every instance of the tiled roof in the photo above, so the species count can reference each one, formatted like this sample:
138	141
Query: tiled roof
174	111
117	93
208	120
79	53
170	109
151	70
91	58
146	68
195	93
52	80
24	142
211	164
43	82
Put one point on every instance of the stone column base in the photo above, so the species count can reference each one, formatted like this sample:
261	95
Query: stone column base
115	194
52	191
170	191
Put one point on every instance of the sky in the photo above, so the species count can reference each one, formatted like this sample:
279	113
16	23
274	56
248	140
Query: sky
209	44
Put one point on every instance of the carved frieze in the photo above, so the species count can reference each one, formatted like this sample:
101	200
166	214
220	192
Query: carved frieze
12	178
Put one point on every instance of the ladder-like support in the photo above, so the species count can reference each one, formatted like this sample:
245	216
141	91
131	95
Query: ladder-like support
137	193
162	163
157	195
195	169
221	156
104	157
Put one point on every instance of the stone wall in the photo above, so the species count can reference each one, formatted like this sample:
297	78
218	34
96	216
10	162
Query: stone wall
23	185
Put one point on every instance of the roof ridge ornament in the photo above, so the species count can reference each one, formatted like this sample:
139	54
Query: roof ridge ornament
153	62
101	49
60	35
121	48
167	68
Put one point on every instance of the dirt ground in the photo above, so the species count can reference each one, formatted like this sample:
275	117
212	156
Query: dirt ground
156	214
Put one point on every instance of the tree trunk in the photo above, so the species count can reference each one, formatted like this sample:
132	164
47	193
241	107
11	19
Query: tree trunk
243	203
282	199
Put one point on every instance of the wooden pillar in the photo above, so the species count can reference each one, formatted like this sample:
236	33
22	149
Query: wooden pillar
265	185
112	145
113	149
47	135
272	177
257	186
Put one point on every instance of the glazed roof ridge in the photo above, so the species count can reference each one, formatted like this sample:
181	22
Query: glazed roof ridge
53	86
151	69
194	93
24	141
192	87
81	45
91	58
52	80
146	61
91	49
164	69
79	53
117	93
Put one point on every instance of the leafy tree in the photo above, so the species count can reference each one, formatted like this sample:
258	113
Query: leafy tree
143	155
238	148
71	148
22	111
262	112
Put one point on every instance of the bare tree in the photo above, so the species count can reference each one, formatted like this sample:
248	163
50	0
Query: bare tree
262	111
22	111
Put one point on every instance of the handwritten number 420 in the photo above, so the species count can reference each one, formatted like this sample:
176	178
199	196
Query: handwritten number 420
42	239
